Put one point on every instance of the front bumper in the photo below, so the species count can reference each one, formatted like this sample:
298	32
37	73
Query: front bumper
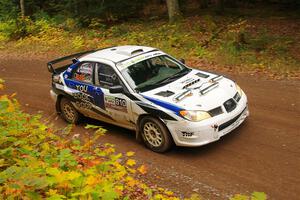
187	133
53	95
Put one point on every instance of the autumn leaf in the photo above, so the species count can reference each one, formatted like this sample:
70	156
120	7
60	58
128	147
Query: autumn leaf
142	169
91	180
13	95
11	107
258	196
1	85
130	162
130	153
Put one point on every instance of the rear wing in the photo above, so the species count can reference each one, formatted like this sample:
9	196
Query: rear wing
71	58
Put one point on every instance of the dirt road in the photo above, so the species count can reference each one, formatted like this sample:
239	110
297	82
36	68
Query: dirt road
263	154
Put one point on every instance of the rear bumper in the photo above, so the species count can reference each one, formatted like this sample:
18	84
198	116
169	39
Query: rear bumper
187	133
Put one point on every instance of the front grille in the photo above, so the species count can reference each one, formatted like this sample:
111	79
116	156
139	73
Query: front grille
216	111
237	97
229	105
228	123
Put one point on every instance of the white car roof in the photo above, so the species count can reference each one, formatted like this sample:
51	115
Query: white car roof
119	53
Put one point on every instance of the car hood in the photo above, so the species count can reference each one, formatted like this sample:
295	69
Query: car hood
198	90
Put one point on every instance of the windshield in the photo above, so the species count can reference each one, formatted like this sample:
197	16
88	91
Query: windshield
154	72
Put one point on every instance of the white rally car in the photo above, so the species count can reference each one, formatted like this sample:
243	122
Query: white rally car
146	90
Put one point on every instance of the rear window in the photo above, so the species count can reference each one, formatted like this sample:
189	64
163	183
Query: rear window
84	72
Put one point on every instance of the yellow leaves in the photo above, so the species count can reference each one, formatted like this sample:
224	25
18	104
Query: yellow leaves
73	175
52	192
1	84
130	162
13	95
62	177
2	163
109	150
130	153
169	193
131	182
142	169
92	180
9	105
119	189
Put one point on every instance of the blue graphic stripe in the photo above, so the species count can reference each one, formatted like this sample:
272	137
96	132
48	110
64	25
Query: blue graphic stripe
164	104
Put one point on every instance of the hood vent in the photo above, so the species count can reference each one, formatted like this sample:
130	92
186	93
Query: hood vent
165	93
202	75
191	83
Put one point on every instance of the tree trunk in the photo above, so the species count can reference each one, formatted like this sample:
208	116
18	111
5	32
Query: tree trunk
203	3
220	6
22	6
173	10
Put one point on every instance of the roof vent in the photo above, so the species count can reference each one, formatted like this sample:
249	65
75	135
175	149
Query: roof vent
137	51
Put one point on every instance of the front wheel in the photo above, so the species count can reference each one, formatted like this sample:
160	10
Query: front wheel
155	135
69	113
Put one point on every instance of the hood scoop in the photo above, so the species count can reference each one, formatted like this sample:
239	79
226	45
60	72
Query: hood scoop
165	93
190	83
202	75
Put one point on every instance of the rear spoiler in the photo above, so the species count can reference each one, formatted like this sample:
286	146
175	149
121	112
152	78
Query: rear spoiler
72	57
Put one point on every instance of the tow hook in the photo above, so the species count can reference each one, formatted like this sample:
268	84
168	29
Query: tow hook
215	127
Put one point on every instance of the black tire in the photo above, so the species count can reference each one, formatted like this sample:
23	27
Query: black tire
69	112
155	135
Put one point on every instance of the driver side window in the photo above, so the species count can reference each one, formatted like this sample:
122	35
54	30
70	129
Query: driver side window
106	76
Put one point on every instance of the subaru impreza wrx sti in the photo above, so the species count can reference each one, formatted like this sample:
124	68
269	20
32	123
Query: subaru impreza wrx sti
146	90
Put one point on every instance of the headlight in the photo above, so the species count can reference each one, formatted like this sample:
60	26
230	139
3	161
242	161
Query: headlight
239	89
194	115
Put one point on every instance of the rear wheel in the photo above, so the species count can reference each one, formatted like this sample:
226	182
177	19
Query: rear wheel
68	111
155	135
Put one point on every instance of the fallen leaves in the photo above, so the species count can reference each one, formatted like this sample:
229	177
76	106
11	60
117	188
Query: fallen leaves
142	169
130	162
130	153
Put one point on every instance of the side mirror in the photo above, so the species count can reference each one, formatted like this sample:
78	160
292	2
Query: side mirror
182	60
74	60
116	89
50	68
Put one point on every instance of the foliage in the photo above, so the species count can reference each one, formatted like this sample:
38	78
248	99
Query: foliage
35	163
254	196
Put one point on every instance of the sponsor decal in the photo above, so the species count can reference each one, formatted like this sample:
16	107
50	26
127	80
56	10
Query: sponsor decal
84	105
134	60
80	77
82	88
81	96
115	103
85	69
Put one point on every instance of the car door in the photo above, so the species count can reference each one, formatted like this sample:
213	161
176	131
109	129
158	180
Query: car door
118	105
81	84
